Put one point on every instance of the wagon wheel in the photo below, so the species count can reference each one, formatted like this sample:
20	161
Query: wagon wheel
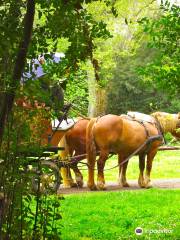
49	178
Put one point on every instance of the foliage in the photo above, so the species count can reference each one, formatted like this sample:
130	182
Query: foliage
129	91
128	88
164	36
62	22
120	55
21	221
126	91
30	224
77	92
70	21
10	35
116	215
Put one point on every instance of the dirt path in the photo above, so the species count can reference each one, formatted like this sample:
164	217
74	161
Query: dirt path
158	183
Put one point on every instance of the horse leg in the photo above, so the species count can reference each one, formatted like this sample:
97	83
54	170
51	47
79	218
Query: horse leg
67	178
100	165
122	171
78	175
65	172
90	183
141	168
150	157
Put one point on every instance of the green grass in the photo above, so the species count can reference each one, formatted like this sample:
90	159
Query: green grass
165	165
115	215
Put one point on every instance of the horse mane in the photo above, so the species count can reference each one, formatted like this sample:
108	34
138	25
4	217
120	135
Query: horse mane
167	121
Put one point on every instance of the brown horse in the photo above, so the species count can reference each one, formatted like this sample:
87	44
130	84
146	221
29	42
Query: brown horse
74	143
122	135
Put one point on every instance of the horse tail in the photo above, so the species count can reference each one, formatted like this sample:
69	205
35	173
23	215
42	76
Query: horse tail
91	152
90	143
65	152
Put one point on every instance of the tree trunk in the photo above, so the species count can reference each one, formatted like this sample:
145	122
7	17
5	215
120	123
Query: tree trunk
97	94
7	98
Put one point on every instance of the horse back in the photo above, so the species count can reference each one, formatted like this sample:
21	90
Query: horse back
107	130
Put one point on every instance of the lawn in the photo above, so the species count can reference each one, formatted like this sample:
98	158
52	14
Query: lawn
116	215
165	165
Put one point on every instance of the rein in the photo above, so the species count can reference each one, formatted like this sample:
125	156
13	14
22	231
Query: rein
147	142
63	117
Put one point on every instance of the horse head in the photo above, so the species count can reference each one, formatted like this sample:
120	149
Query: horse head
176	133
178	115
173	123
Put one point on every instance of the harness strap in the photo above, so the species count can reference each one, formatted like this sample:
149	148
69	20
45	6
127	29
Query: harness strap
148	137
142	123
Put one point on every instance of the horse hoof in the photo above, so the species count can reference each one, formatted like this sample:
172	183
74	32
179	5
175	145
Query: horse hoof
141	184
74	185
149	185
69	185
92	187
126	184
101	186
80	184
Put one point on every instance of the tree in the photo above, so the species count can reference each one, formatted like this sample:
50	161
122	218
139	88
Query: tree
120	55
163	33
55	20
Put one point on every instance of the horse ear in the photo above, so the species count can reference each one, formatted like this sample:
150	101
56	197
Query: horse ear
179	115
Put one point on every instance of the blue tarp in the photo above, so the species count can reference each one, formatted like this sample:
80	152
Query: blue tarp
37	70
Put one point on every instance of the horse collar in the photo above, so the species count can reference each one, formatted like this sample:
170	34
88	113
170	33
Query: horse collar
159	128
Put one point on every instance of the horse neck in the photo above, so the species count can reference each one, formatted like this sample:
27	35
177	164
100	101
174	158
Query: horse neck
56	137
